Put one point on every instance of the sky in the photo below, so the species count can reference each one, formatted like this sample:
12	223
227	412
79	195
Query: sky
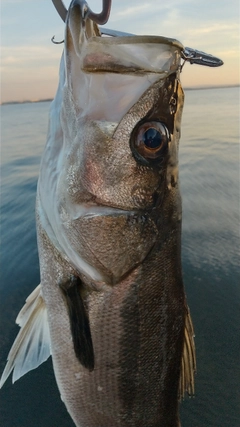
30	61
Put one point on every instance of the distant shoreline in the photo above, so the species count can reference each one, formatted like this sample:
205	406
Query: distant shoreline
186	88
27	101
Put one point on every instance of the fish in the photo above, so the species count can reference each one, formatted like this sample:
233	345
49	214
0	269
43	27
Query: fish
111	307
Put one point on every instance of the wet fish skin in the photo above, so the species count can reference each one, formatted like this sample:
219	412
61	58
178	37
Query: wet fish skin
135	327
137	314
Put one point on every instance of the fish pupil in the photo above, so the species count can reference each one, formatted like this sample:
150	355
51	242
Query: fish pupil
149	142
152	138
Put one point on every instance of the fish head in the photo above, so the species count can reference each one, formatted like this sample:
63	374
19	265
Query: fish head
111	157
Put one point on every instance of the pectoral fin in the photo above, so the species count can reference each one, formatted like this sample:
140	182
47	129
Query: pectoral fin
188	367
79	323
32	345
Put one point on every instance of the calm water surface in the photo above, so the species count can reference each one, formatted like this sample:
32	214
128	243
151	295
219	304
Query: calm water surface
209	172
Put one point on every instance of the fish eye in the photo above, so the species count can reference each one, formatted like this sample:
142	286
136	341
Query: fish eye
150	141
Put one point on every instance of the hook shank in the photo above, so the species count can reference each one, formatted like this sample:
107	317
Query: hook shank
99	18
61	9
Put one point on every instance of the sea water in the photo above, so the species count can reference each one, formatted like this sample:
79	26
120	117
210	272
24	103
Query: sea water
209	177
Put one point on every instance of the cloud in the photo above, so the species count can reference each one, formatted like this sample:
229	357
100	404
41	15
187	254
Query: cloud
218	27
15	1
28	55
129	11
233	53
29	72
9	60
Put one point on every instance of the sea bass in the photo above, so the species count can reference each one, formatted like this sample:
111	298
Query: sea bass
111	307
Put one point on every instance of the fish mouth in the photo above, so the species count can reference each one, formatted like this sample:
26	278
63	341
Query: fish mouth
128	65
90	210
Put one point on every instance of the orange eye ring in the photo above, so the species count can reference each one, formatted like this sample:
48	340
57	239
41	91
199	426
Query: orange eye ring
149	141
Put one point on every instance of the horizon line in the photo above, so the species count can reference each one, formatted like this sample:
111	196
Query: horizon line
29	101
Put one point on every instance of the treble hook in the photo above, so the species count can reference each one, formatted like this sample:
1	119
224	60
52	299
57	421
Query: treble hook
99	18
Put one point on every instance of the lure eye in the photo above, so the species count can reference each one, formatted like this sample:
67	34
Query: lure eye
150	141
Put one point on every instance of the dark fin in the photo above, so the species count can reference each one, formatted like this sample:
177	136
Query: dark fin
80	328
188	367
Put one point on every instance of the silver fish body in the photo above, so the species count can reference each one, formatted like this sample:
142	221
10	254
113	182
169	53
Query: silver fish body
109	231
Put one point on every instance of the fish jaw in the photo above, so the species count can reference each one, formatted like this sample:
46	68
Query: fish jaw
126	65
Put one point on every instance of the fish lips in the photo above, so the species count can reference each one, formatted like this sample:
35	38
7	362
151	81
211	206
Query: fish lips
113	241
